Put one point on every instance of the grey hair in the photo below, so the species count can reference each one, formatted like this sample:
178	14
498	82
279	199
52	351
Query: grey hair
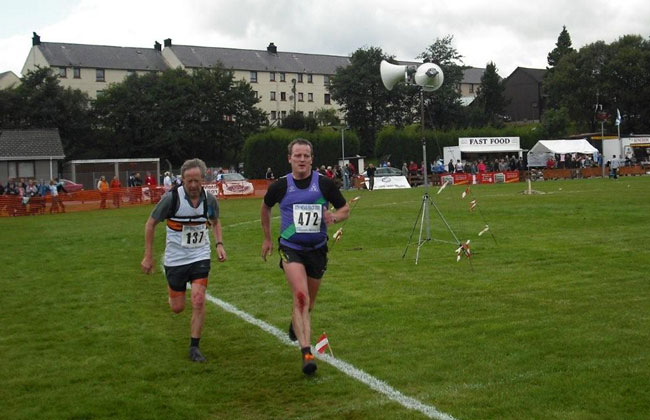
303	142
194	163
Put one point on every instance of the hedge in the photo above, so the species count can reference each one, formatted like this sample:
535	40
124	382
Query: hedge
269	149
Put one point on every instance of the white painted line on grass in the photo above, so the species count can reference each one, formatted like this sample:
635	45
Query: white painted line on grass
372	382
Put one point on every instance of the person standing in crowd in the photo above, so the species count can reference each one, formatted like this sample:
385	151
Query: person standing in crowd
54	207
304	197
167	182
614	164
371	176
102	186
346	177
190	212
116	190
450	166
150	180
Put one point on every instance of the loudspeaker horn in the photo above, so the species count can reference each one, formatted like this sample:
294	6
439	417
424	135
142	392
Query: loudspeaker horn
429	76
391	74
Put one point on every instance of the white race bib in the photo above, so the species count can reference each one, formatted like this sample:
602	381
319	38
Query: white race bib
194	236
307	217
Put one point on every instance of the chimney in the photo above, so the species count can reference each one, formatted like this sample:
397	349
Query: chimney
36	40
272	49
156	46
168	42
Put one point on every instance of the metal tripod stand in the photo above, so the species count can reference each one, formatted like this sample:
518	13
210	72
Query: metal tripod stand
423	214
425	226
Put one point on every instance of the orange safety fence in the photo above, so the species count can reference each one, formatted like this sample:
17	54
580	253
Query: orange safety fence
84	200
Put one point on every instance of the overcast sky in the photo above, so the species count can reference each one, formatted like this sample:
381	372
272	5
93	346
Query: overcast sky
510	33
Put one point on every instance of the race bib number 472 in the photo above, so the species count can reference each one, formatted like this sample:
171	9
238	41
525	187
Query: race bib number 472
307	217
194	236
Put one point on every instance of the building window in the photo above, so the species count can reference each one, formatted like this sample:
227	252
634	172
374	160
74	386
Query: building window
100	93
26	169
310	97
310	78
283	96
299	77
272	76
99	75
311	114
326	79
253	77
63	72
471	88
76	72
327	99
130	73
274	116
300	97
273	95
284	114
301	113
283	77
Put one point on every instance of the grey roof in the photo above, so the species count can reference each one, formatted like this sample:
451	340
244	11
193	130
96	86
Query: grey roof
35	144
473	75
102	56
536	74
258	60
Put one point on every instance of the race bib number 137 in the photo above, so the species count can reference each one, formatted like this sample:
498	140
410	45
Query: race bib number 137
307	217
194	236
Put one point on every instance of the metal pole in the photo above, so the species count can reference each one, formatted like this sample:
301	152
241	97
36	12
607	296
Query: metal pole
424	143
602	140
342	147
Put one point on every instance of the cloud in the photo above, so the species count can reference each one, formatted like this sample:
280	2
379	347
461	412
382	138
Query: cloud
510	33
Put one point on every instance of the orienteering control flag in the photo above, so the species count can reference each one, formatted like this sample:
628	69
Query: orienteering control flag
322	344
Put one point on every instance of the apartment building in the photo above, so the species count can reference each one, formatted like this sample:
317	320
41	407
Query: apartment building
91	68
283	81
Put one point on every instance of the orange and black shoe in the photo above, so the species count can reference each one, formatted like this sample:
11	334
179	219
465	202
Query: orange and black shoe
308	364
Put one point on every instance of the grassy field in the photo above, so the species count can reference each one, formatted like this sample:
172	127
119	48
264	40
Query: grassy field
550	322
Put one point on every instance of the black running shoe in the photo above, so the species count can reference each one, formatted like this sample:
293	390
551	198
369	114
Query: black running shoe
292	333
196	355
308	364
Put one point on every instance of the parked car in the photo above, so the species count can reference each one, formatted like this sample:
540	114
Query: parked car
233	183
70	186
384	171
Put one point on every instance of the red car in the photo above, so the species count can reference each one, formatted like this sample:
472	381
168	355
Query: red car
70	186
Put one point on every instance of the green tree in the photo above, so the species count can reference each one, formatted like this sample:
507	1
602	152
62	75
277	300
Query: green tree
443	106
614	76
177	115
367	104
490	98
326	116
562	48
555	124
41	102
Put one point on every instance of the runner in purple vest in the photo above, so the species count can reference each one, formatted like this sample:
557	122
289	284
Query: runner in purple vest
304	198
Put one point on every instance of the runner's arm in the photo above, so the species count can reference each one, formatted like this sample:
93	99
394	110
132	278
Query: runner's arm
218	238
267	244
149	231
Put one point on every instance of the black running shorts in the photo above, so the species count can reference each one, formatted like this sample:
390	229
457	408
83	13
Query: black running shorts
178	276
315	261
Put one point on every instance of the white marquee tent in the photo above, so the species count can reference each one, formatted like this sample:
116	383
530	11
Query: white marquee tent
540	152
